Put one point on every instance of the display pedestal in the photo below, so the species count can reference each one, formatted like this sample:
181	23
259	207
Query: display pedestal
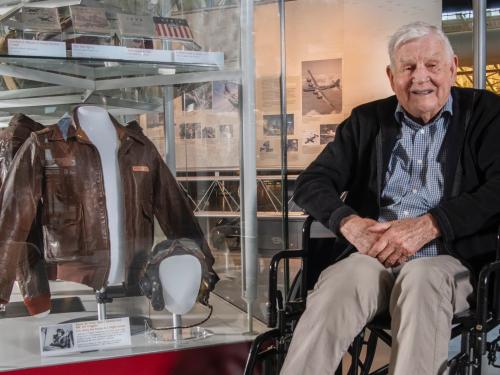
106	295
175	335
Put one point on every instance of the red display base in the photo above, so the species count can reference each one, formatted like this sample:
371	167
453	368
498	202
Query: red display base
227	359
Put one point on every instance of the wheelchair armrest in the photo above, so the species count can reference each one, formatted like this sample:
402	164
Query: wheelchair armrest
482	290
272	308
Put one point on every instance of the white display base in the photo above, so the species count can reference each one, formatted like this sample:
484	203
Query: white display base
20	340
168	336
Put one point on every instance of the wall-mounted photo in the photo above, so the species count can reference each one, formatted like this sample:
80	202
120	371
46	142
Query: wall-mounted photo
321	87
208	132
266	146
272	124
225	97
310	138
190	131
197	97
292	145
226	131
327	133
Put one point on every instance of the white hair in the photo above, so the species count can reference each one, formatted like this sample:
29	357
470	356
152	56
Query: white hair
416	30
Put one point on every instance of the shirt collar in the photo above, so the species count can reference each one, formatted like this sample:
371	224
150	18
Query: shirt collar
400	114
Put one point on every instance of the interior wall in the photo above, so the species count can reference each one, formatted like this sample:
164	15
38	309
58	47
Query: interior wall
354	31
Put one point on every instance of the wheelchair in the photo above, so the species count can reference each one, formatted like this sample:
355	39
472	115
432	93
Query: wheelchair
284	310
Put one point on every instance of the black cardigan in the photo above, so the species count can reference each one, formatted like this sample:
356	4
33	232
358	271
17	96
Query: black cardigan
356	161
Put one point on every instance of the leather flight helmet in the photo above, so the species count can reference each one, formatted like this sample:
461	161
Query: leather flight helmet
150	284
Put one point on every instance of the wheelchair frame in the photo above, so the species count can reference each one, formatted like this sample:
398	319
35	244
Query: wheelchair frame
283	314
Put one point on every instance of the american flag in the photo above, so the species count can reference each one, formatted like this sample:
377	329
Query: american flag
173	28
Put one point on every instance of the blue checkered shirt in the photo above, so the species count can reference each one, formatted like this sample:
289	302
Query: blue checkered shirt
414	180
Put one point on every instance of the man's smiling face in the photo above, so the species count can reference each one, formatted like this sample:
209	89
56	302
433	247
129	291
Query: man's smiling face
422	76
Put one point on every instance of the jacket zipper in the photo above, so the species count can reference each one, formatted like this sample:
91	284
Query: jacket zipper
103	196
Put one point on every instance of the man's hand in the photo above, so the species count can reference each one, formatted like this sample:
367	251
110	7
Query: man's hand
400	239
355	229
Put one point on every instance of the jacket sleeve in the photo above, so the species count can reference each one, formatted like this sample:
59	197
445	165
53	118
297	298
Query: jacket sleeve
19	196
320	185
474	210
174	215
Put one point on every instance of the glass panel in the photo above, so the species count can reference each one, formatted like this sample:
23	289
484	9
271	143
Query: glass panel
458	25
89	208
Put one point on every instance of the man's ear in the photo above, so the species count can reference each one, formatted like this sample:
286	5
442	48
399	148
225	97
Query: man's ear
390	75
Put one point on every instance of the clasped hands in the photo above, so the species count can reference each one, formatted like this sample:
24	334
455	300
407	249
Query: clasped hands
390	242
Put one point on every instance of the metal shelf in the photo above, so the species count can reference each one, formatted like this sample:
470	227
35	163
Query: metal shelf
69	81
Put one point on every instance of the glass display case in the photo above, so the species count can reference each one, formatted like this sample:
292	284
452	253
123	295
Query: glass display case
98	211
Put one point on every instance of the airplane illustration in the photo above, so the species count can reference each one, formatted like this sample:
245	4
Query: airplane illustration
311	139
318	90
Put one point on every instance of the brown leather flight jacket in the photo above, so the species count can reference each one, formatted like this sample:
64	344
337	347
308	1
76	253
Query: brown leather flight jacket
31	272
66	176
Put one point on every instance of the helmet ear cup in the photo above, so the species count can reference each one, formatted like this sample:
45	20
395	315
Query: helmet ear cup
156	294
145	286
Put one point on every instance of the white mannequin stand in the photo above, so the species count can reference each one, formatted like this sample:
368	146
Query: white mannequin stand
98	127
180	277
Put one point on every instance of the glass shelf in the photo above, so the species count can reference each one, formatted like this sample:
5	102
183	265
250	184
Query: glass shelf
103	68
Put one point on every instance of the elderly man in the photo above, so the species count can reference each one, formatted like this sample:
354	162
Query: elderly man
422	171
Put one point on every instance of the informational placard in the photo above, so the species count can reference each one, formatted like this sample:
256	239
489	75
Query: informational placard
22	47
150	55
67	338
132	25
40	19
199	57
98	52
89	20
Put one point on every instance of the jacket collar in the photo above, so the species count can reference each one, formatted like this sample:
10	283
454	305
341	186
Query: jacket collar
77	133
21	120
463	101
389	129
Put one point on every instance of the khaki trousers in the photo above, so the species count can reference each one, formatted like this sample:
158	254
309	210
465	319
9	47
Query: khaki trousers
421	296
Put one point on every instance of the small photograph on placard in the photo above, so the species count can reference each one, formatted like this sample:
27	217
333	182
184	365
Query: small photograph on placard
134	25
292	145
197	97
225	97
272	124
58	338
321	87
89	20
40	19
190	131
327	133
310	138
226	131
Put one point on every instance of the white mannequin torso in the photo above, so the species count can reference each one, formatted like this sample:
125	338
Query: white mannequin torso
97	125
180	277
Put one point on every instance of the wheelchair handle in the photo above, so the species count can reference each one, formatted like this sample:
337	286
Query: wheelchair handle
272	309
482	304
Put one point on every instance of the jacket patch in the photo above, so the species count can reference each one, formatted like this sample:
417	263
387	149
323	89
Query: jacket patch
140	168
66	162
